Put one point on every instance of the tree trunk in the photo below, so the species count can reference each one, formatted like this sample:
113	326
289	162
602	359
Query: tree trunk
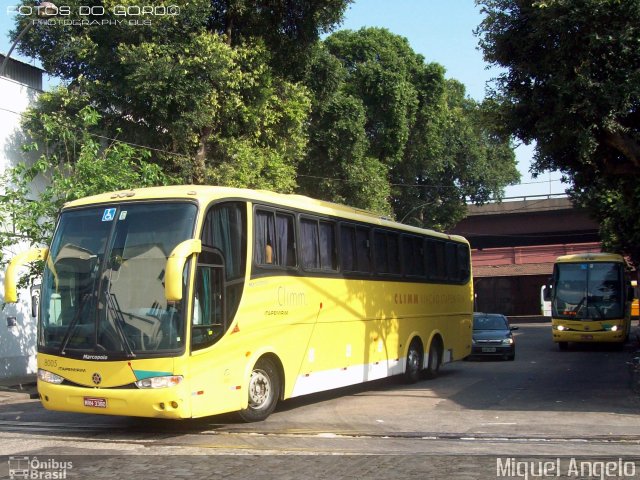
229	29
200	160
626	146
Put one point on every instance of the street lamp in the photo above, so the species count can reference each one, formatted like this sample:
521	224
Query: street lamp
437	201
45	9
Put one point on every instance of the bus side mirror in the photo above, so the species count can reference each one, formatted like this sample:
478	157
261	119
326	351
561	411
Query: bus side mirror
175	266
546	293
11	275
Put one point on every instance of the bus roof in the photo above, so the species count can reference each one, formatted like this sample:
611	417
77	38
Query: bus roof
590	257
204	194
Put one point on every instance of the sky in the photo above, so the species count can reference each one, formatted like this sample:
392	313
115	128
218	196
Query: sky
440	30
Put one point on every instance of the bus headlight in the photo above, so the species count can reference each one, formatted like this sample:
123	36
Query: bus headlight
561	328
49	377
160	382
614	328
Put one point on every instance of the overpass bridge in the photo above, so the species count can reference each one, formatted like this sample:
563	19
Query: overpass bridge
514	245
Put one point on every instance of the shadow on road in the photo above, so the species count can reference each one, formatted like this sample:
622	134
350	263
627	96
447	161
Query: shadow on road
586	378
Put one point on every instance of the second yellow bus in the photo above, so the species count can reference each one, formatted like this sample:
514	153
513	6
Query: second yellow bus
590	299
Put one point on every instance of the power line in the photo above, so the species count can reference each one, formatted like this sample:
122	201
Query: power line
332	179
405	185
124	142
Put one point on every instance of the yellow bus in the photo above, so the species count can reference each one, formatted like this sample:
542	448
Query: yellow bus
191	301
590	299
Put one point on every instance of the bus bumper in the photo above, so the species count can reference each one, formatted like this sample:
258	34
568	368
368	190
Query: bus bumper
589	337
171	403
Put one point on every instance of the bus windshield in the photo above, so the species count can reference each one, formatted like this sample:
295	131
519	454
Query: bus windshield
588	291
103	284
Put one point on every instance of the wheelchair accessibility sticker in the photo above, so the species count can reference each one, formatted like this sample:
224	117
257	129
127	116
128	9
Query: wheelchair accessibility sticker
109	214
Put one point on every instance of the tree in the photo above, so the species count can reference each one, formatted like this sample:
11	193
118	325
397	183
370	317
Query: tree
388	133
199	85
288	28
572	85
74	163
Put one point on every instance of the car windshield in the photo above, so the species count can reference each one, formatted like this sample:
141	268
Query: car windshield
489	322
103	285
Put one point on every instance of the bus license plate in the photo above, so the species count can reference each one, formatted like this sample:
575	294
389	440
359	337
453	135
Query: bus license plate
586	337
489	349
95	402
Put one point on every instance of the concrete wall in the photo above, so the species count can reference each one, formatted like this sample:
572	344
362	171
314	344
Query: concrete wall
17	326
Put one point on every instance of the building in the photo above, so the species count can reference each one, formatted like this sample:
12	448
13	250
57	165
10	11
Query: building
19	88
514	245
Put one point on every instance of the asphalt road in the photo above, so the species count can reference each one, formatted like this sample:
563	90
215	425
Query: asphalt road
478	419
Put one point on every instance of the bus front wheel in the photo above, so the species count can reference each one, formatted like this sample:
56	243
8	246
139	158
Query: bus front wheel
264	391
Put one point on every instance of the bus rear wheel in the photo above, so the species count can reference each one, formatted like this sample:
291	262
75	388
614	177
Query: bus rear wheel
435	359
263	391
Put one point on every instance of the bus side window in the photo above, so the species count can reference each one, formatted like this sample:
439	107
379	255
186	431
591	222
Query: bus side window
463	263
286	241
355	248
310	254
274	239
265	229
436	264
386	252
451	261
363	249
393	245
413	256
348	261
318	248
381	248
328	249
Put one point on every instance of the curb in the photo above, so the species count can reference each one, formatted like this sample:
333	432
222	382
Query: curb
18	392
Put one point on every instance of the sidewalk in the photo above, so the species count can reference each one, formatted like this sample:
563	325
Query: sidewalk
18	388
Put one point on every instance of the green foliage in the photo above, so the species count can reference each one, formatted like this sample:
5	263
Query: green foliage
244	94
72	162
388	133
572	84
199	87
617	211
210	92
288	28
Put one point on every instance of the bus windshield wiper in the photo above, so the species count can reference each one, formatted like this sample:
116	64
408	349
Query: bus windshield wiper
119	321
73	323
581	305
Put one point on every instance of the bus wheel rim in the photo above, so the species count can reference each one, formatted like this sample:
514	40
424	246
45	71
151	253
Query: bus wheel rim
414	361
259	389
